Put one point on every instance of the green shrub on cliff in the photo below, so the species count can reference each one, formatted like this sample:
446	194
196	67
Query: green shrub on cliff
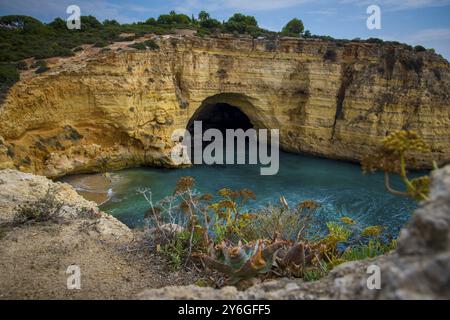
374	40
210	24
241	24
138	46
419	48
21	65
8	74
101	44
294	27
173	18
152	45
39	63
23	37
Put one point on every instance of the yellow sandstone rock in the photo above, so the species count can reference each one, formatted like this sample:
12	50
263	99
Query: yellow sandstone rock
101	111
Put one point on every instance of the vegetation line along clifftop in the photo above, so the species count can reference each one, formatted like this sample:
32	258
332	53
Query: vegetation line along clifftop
25	37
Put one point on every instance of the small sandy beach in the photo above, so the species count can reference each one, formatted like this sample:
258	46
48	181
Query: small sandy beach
93	187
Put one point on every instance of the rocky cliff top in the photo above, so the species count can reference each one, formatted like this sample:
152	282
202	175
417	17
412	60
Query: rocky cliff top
30	195
61	229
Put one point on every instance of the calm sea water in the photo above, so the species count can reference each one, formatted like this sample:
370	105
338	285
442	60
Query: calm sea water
341	188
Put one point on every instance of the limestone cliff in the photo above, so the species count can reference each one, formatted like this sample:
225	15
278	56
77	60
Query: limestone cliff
116	108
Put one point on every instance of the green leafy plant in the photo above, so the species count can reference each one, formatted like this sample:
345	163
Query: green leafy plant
289	223
205	21
138	46
314	274
374	248
101	44
419	48
348	220
175	249
151	44
372	231
8	74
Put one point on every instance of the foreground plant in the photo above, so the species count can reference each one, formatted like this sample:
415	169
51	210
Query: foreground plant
396	152
290	223
242	261
219	233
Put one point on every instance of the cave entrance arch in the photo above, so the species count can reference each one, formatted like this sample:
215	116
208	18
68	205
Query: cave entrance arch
220	116
234	110
222	112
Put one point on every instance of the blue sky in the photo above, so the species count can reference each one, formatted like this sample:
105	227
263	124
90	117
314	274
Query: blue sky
425	22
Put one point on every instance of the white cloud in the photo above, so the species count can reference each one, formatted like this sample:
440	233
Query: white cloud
399	5
326	12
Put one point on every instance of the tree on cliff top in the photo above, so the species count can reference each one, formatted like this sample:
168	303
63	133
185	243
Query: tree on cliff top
294	27
174	18
241	18
203	16
58	24
90	23
207	22
241	24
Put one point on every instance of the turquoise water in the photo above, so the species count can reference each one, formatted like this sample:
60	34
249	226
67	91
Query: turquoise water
340	187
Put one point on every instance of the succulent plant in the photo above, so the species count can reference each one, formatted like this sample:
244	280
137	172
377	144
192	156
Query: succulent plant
294	258
247	261
242	261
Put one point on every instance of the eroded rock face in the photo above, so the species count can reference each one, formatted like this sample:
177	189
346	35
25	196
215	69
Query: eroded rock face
118	109
418	269
62	203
